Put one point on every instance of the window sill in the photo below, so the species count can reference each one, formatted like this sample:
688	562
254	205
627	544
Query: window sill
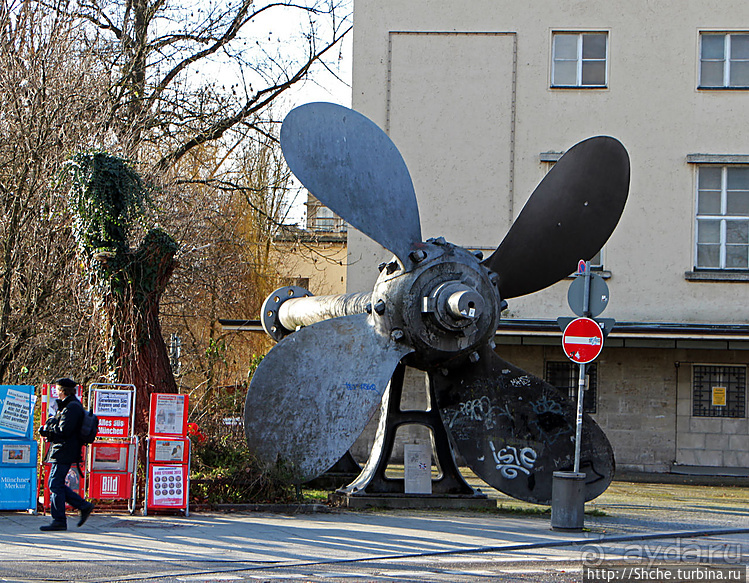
716	275
722	88
723	159
579	87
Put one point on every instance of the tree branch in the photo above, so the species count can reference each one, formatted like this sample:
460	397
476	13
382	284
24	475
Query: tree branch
260	100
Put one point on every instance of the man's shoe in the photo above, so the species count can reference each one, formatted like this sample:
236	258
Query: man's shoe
54	526
85	512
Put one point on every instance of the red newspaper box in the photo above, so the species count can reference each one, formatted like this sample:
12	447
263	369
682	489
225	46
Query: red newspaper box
113	457
112	472
168	464
74	480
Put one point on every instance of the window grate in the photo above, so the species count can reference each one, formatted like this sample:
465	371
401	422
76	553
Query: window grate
719	391
564	376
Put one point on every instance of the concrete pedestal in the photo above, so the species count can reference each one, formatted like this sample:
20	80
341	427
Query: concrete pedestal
568	501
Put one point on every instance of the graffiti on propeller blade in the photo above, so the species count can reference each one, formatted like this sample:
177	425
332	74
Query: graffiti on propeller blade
480	410
510	461
360	387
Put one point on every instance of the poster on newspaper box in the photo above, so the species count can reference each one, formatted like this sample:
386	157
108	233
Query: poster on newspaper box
16	410
168	486
112	403
168	414
16	453
169	450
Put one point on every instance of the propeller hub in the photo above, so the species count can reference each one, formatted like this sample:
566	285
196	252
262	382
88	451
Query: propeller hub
455	305
445	306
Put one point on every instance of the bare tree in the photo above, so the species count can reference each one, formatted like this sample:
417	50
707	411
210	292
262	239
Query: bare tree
238	203
51	97
164	56
137	77
181	125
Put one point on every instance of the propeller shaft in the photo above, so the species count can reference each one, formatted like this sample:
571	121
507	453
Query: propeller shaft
305	311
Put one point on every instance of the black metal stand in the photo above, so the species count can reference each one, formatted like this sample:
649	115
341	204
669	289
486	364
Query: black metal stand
373	481
341	473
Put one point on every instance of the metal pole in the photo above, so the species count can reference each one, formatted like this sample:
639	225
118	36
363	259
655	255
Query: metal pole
581	378
579	424
586	293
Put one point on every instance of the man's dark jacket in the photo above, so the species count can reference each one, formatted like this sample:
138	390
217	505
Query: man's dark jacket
62	432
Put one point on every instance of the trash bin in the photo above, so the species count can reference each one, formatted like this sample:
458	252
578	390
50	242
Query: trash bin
568	501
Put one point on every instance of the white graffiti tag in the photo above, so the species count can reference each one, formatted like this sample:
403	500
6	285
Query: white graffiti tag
476	409
523	381
509	461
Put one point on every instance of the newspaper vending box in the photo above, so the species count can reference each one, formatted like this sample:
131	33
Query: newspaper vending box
18	450
74	480
113	457
168	463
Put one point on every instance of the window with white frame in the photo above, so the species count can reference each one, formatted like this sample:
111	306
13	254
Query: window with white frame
579	59
724	60
722	240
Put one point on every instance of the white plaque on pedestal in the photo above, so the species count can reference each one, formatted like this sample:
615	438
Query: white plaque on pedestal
417	461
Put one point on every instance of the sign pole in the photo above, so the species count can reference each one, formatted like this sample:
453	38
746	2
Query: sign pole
579	425
581	377
582	341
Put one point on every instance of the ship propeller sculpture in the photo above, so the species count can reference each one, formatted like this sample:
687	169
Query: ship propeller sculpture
436	307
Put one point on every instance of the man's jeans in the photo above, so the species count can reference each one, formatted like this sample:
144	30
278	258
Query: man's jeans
61	494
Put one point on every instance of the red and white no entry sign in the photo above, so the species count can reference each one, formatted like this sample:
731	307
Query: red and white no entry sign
582	340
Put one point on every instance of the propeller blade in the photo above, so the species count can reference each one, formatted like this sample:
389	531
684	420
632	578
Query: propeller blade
353	168
315	392
515	430
569	217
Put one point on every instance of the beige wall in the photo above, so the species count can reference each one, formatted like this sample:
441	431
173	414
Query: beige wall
323	263
463	90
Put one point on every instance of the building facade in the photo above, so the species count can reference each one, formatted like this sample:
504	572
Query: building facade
481	98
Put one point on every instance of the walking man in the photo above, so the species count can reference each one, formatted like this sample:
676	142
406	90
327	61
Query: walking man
62	432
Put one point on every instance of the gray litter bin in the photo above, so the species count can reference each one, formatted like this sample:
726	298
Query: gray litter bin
568	501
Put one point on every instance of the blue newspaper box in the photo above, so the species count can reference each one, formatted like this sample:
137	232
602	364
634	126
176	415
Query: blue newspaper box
18	450
18	481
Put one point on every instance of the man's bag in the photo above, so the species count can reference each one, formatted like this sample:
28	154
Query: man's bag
89	427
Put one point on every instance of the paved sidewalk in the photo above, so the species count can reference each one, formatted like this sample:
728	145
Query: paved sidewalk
430	545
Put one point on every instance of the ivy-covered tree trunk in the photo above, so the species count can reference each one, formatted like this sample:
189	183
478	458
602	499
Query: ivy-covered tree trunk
108	199
136	352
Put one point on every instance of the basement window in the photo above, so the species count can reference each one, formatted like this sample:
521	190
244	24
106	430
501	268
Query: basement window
719	391
565	377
